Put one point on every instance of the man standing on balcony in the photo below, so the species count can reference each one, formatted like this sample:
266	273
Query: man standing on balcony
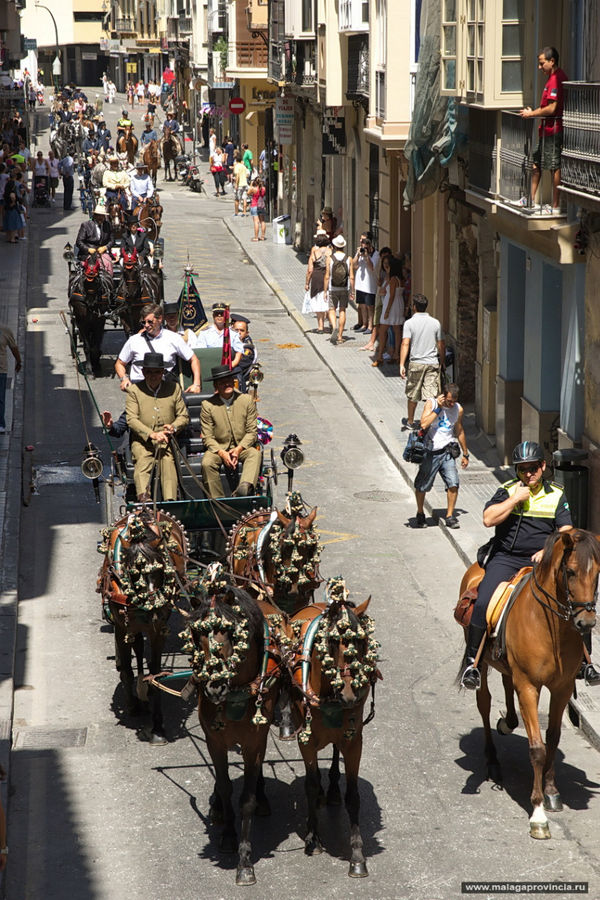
547	154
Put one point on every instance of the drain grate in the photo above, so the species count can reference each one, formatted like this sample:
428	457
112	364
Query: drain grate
49	738
378	496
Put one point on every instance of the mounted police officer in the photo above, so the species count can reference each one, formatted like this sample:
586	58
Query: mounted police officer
525	511
124	122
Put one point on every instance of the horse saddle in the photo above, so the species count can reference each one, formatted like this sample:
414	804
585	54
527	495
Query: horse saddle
500	602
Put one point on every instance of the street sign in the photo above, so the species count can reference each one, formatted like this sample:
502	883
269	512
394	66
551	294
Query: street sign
284	119
131	68
237	105
29	44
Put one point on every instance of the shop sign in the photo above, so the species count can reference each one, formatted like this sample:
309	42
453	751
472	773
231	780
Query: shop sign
284	119
334	133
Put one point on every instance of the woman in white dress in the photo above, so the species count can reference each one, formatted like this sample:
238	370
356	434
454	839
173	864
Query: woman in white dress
317	279
392	311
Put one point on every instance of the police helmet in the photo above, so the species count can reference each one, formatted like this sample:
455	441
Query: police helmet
527	451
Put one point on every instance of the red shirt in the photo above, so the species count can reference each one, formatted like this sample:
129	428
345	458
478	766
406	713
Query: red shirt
553	93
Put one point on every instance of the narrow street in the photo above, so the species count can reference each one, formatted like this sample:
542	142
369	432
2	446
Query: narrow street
95	813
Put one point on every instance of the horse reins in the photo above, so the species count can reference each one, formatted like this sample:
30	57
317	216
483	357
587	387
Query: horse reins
565	611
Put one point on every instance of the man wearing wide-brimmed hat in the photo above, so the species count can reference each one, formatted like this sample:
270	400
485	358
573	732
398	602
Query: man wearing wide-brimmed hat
140	185
155	412
95	238
136	238
230	434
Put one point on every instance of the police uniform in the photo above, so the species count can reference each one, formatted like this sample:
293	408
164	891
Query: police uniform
523	533
212	337
148	411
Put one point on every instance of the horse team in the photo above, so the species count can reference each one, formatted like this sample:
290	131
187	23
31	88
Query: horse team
314	663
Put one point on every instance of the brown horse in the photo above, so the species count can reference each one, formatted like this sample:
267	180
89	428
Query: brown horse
235	669
544	648
128	143
171	148
335	666
116	217
279	551
140	579
152	159
149	214
90	300
139	285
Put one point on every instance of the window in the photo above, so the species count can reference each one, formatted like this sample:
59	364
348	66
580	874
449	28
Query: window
307	15
483	51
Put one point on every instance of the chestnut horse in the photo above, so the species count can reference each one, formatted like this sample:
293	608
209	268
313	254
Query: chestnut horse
152	159
140	580
544	648
233	659
279	551
139	285
149	214
128	143
334	668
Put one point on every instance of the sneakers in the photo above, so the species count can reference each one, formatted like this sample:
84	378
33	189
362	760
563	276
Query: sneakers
407	424
420	520
358	327
522	202
548	210
452	522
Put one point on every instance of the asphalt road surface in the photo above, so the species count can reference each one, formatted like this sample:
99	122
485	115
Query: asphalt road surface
98	814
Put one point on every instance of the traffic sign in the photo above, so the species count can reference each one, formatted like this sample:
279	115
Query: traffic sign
237	105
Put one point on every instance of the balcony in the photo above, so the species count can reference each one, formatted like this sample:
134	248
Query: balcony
184	24
501	147
358	68
580	162
125	26
251	55
353	16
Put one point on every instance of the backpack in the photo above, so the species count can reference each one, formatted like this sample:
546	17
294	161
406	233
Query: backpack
339	272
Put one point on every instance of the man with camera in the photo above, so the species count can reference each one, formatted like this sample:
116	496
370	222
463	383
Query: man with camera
442	419
363	281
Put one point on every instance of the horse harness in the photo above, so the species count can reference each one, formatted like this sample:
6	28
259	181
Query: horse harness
565	611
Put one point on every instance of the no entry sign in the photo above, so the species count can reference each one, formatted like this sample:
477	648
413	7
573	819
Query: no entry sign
237	105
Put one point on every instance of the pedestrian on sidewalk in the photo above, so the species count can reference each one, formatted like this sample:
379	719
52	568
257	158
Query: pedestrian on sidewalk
257	192
338	288
66	167
363	282
381	278
317	279
53	175
424	339
240	185
7	340
442	420
392	311
216	168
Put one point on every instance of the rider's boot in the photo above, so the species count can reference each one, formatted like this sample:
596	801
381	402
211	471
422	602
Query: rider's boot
588	672
471	677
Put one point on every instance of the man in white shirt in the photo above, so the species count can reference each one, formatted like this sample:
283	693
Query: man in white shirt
213	336
141	186
155	339
363	281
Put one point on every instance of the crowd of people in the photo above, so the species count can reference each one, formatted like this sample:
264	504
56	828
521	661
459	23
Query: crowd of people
15	163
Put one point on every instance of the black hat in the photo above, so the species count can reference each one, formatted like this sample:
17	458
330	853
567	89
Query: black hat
236	317
171	308
218	307
153	361
130	218
217	373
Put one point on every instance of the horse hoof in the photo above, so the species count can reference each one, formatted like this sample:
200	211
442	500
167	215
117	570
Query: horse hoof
313	847
157	740
553	803
358	870
245	875
503	726
540	831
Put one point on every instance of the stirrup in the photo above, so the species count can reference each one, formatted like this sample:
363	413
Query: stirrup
471	678
591	675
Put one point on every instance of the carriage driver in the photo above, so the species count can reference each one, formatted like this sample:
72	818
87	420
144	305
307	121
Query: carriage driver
140	185
94	237
230	434
136	238
155	411
525	511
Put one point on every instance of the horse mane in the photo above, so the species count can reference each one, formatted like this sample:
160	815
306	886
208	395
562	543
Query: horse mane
222	604
584	544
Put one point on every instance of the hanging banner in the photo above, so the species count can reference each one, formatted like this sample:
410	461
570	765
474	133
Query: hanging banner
191	310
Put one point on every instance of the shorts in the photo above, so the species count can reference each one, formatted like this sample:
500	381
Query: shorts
254	210
338	299
53	182
422	381
240	193
547	153
363	297
441	462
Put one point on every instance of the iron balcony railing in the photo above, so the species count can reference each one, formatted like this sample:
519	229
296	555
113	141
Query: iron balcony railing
502	148
184	24
124	25
580	162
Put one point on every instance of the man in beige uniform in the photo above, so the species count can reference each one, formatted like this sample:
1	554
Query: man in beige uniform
229	431
155	410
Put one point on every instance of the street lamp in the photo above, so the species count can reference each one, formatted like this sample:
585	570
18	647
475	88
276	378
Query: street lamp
56	64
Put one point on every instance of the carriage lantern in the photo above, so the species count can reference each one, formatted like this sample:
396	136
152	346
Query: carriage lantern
68	253
255	376
91	464
292	456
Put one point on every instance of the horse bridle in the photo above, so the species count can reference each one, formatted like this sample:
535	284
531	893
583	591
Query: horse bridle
565	611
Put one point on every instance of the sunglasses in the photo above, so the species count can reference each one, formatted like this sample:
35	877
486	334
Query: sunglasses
531	469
